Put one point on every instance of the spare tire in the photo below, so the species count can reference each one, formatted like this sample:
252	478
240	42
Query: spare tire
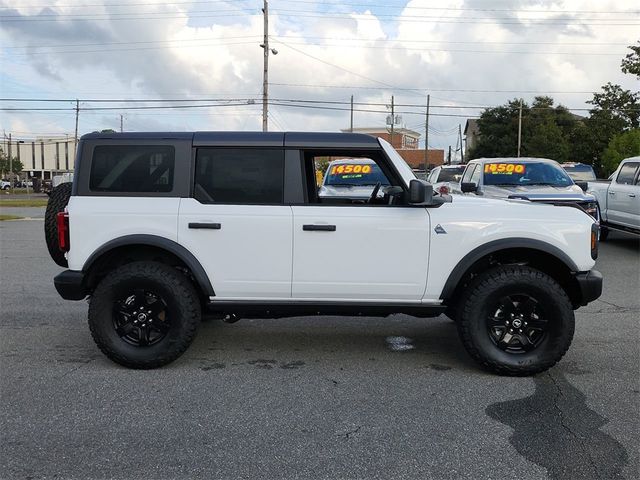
58	199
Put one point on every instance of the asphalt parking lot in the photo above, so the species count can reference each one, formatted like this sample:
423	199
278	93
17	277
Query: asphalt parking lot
321	397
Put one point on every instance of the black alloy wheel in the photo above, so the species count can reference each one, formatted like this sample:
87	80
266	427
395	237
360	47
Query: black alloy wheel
517	324
141	318
515	320
144	314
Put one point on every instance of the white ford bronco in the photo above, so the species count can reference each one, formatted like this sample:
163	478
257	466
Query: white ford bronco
158	227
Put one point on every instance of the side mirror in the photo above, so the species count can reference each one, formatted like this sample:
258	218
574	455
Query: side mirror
468	187
583	185
420	192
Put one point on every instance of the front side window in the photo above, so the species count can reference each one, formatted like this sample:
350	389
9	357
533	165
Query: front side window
468	173
239	176
627	173
132	168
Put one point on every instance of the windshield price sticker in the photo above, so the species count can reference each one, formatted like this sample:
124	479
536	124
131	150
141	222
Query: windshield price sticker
504	168
350	169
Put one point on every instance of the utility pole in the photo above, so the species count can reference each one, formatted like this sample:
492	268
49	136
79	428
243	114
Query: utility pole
520	128
449	156
426	137
77	114
461	146
351	124
393	119
265	73
10	164
121	124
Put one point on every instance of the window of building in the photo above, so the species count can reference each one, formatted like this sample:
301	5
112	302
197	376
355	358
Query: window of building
132	168
239	176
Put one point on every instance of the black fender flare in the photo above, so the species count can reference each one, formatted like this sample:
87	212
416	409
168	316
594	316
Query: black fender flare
503	244
160	242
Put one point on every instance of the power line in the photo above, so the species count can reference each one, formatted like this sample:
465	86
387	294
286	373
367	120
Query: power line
310	14
346	4
424	89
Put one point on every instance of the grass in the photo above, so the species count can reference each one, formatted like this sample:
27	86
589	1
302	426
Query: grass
34	202
9	217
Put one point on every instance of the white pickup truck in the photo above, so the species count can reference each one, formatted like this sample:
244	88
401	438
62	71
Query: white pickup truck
619	199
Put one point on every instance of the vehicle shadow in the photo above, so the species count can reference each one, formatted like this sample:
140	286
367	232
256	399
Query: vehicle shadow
433	342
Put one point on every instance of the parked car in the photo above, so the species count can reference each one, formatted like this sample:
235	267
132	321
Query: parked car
579	172
618	199
157	227
5	184
532	179
353	178
445	178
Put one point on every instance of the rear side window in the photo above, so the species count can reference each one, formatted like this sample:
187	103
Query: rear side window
627	173
132	168
239	176
468	173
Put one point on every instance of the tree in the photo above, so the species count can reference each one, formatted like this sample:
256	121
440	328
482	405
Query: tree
615	110
621	146
631	63
5	165
545	130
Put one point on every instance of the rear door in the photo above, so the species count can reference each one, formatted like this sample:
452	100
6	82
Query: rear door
623	204
237	224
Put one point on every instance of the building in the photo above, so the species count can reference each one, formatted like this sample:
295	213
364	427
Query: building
471	135
406	142
43	157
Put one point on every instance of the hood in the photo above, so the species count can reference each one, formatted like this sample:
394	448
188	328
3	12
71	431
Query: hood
539	193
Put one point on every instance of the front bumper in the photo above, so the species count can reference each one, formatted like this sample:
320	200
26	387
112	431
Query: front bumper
70	285
590	285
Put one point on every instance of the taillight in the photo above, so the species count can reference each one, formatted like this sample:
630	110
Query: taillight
595	230
444	190
63	231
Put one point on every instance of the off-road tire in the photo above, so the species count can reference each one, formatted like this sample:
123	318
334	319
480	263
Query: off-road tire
183	309
503	280
58	200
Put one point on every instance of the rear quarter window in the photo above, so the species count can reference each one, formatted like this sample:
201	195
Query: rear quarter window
132	168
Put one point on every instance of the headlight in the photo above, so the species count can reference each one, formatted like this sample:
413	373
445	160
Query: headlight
591	208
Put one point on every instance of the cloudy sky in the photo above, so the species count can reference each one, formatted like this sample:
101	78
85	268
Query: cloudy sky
465	53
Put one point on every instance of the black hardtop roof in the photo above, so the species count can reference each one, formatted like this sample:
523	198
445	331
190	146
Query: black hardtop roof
251	139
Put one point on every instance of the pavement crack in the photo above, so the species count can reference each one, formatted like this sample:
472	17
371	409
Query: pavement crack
619	307
350	433
566	427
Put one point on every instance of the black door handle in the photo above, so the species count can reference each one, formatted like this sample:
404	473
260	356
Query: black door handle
210	226
319	228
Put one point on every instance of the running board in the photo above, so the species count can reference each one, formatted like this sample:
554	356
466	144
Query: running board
258	309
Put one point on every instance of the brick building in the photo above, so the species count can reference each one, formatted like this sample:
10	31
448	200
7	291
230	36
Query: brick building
406	141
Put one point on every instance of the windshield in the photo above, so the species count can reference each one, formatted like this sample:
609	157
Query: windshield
580	172
355	174
522	174
450	174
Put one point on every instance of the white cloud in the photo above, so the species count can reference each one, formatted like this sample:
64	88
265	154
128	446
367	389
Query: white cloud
430	44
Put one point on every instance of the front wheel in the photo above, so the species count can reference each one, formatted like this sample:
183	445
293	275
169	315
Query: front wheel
516	320
144	314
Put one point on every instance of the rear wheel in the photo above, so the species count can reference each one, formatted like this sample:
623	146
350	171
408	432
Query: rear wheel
58	200
144	314
516	320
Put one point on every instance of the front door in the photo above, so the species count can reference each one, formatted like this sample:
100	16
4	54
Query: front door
361	253
355	239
